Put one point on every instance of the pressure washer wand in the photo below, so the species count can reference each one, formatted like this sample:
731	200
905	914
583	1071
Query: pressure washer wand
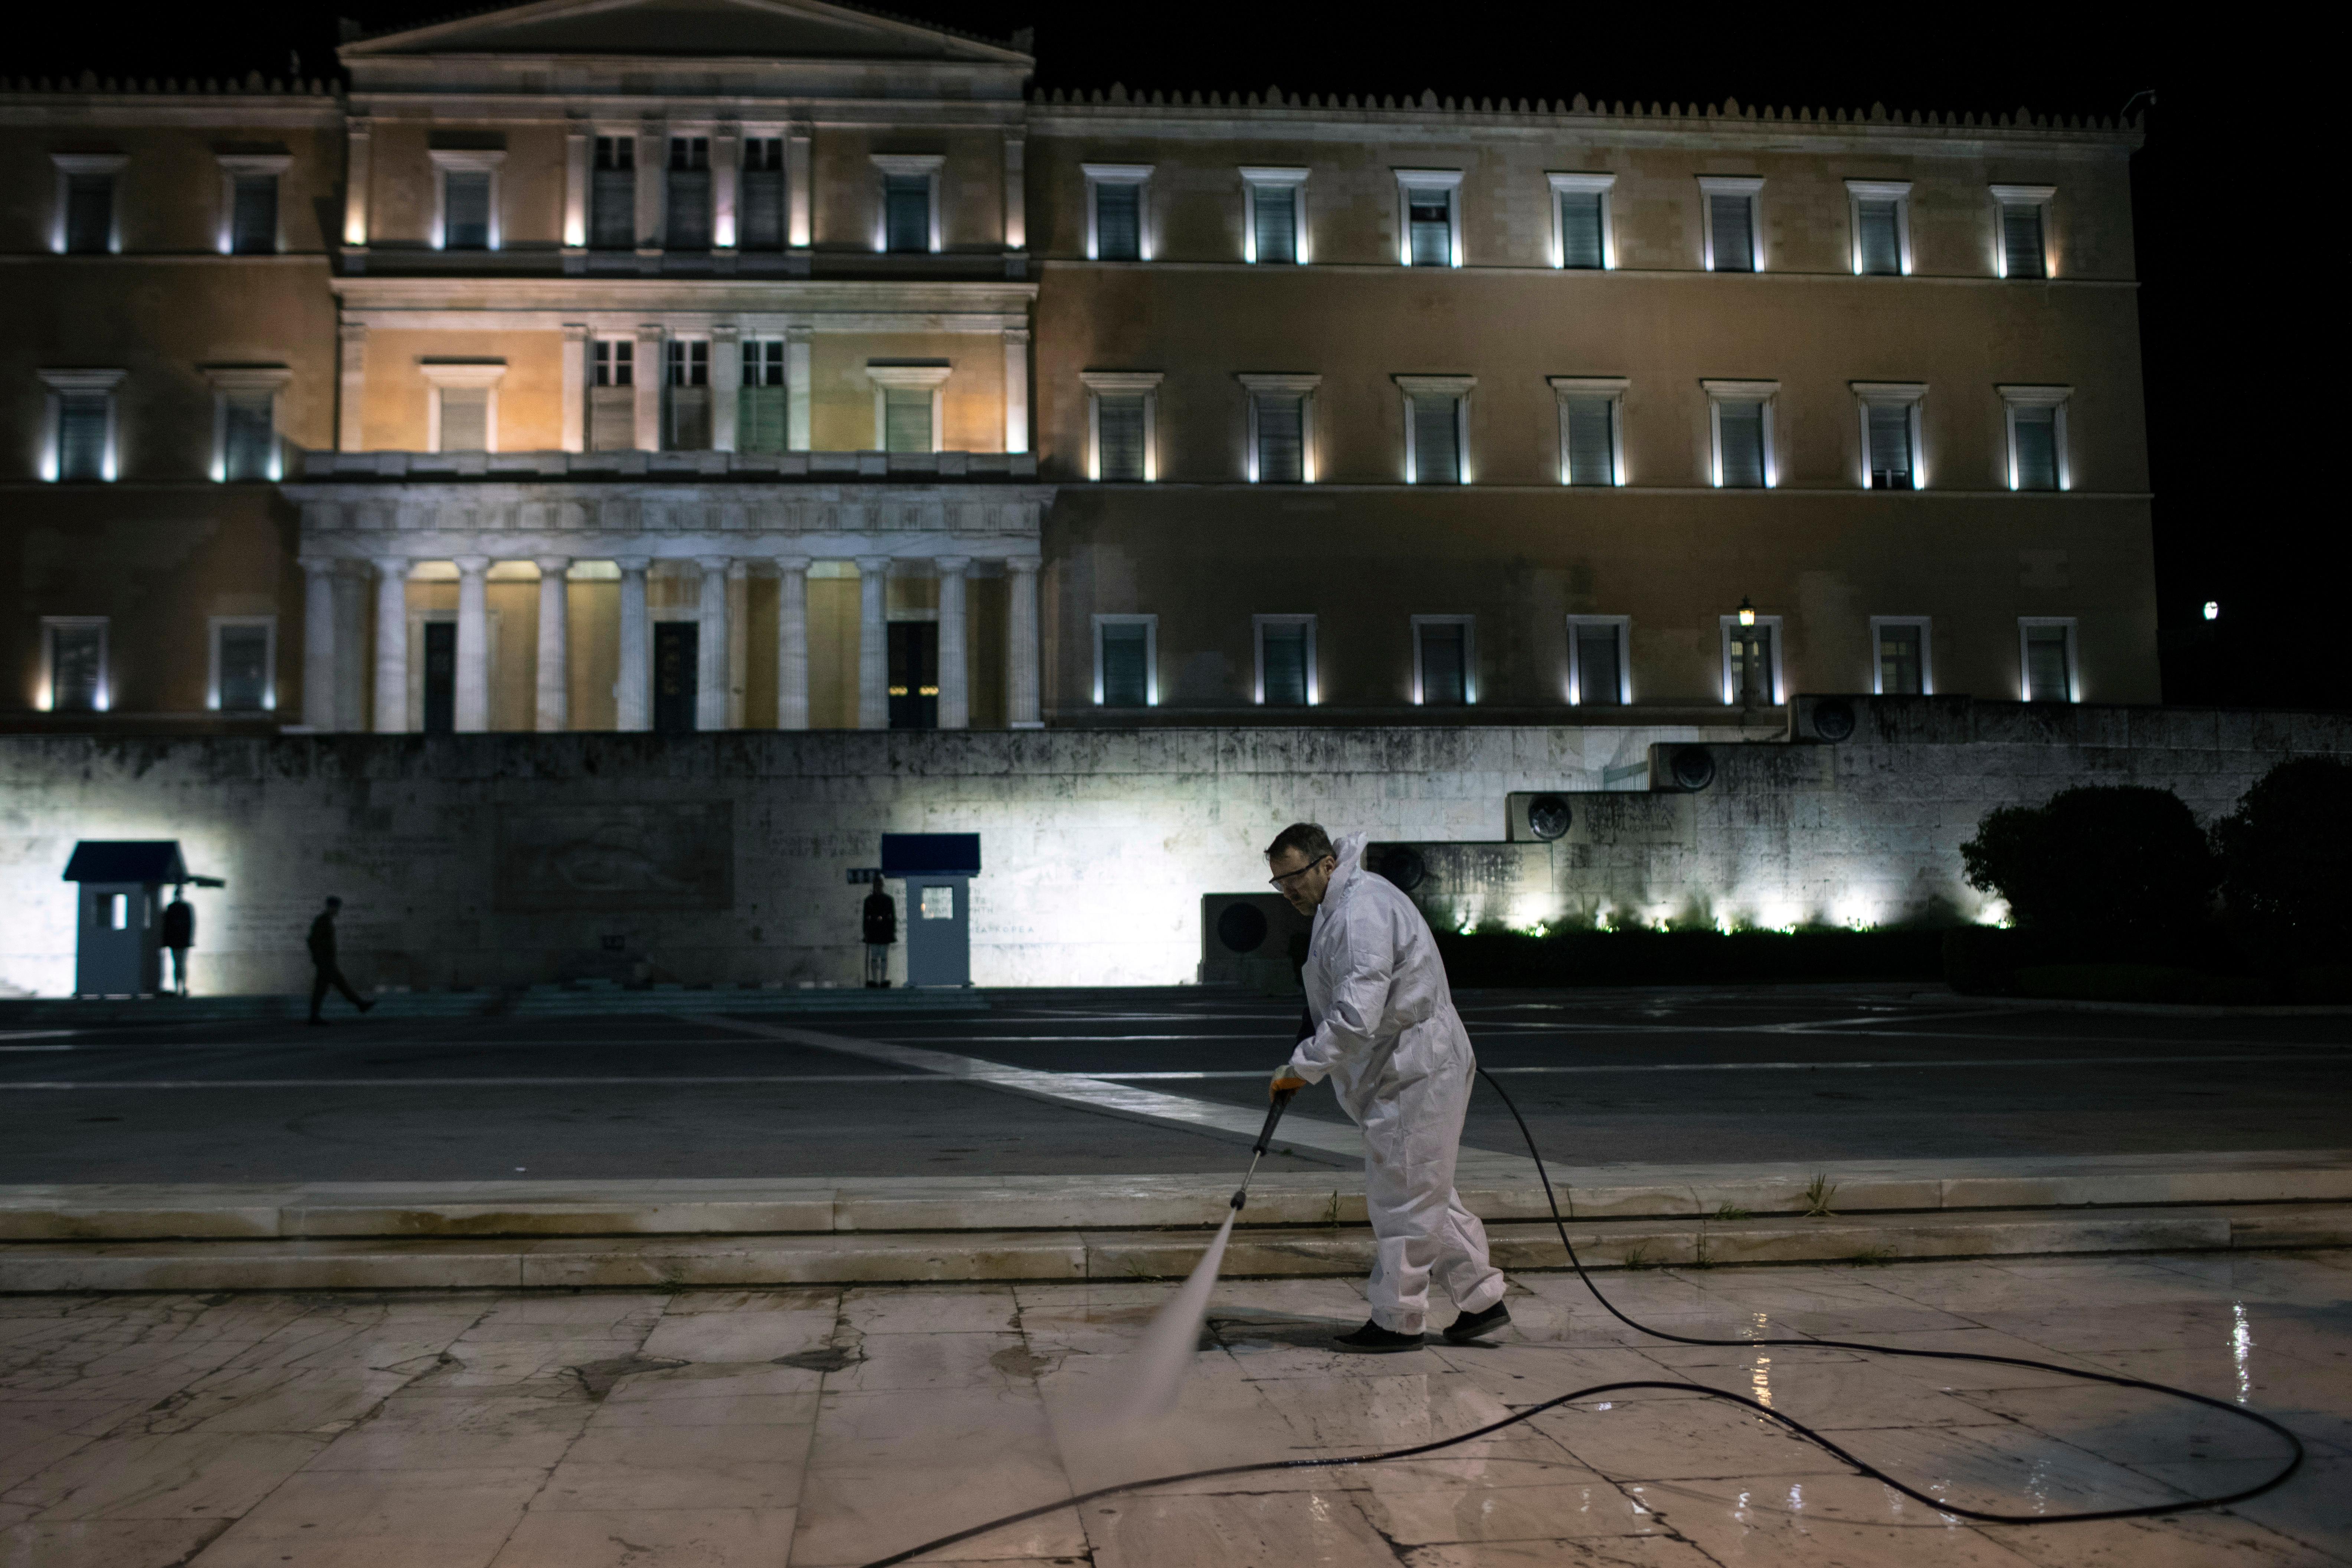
1282	1098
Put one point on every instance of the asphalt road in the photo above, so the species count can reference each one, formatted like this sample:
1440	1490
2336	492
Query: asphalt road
1685	1075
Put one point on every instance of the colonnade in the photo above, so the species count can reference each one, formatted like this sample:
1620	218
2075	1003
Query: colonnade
722	649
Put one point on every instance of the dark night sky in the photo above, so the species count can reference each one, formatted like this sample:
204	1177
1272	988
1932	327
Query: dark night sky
2227	208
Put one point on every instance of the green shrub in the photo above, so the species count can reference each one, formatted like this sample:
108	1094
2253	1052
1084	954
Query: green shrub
2286	862
2102	870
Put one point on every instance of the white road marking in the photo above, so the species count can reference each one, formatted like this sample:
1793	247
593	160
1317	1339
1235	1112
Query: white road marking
1298	1135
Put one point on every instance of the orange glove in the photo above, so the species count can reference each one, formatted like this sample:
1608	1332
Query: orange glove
1284	1082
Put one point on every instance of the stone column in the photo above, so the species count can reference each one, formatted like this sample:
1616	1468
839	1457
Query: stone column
792	643
650	374
391	645
554	710
317	643
352	671
798	207
1016	389
726	160
576	149
473	695
796	389
726	384
357	145
1016	193
955	689
711	646
1021	692
633	692
352	342
873	643
738	639
578	346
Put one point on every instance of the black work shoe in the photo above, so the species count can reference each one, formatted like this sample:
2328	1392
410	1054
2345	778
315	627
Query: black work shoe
367	1005
1374	1340
1472	1326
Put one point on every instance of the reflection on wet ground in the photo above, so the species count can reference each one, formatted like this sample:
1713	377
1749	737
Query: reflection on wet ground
828	1425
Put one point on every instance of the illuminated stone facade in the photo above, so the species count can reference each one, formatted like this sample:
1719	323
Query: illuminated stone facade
660	366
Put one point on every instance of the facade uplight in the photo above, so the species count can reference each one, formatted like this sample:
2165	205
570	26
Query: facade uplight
2212	609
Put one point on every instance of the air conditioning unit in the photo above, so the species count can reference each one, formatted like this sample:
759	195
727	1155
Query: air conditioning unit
1681	768
1246	939
1827	719
1537	816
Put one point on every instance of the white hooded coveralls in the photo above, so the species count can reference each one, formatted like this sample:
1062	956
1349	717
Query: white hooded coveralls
1400	1062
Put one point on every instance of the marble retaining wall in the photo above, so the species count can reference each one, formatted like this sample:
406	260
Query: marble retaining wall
504	859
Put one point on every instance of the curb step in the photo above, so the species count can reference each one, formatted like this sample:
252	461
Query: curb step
744	1261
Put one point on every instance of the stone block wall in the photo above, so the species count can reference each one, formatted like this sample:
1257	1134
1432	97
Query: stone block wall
509	859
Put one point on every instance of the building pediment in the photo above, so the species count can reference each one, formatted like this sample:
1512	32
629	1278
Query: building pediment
678	29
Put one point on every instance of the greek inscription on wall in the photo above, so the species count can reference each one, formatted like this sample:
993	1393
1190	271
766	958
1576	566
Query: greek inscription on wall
617	859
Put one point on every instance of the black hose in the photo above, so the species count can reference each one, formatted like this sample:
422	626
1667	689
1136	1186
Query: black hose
2146	1511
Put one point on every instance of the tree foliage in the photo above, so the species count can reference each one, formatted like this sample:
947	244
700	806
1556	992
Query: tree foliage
2103	869
2286	860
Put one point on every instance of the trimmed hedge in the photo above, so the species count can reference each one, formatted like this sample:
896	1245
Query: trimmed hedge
1636	957
1985	961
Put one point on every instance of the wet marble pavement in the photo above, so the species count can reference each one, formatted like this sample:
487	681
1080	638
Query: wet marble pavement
833	1426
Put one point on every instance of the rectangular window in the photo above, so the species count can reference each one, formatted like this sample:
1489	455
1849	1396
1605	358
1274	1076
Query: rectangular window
1592	439
760	197
2048	647
75	650
1596	661
686	223
1766	634
1442	654
1281	422
1878	250
1119	436
1285	660
89	213
465	419
1119	222
761	409
613	195
2034	432
242	680
1889	427
1436	437
1580	229
690	362
1739	443
1901	645
907	212
686	378
616	362
253	222
907	419
1274	223
84	419
466	210
1729	219
1124	659
248	435
2022	250
1429	213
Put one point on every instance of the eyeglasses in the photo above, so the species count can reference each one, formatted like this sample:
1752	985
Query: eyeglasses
1282	883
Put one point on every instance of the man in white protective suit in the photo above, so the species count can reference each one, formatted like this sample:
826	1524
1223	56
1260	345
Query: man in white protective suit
1383	1028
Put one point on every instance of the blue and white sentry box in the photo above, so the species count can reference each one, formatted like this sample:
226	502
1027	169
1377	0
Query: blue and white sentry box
938	869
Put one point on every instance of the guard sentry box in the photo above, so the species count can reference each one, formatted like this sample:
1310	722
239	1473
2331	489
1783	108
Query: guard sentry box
938	869
119	946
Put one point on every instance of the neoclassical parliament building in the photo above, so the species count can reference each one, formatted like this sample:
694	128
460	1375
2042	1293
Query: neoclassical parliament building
709	365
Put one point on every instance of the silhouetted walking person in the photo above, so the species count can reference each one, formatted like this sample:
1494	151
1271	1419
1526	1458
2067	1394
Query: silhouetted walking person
323	971
179	935
881	930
